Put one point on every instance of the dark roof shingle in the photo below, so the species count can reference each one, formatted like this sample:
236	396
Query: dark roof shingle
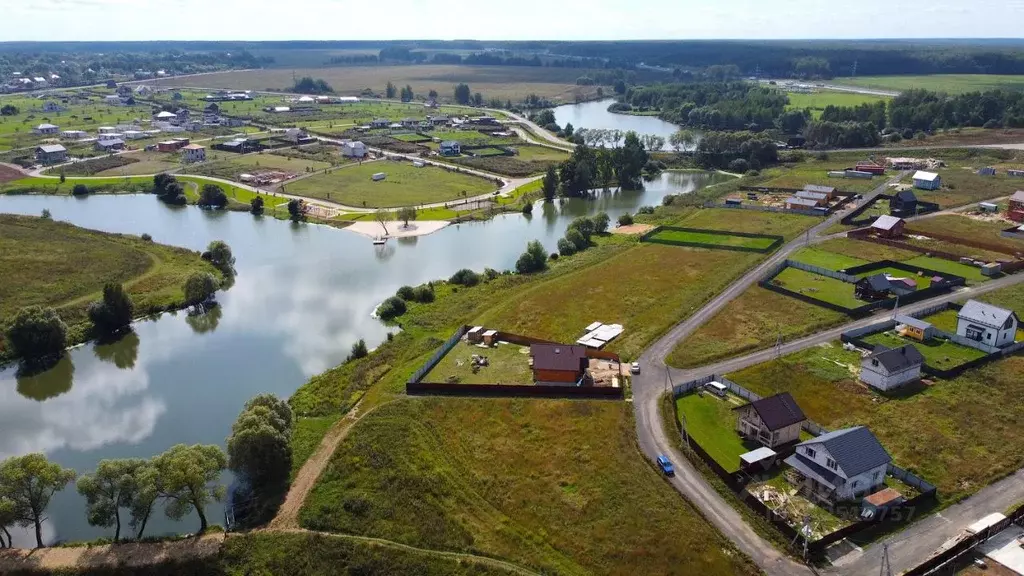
778	411
558	357
854	449
897	359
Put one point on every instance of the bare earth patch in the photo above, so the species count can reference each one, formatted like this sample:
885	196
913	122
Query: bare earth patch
396	229
131	554
632	229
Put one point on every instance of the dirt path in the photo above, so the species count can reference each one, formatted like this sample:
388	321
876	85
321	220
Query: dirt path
110	556
287	517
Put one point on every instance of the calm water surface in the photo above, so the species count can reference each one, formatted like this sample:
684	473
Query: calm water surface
596	115
303	295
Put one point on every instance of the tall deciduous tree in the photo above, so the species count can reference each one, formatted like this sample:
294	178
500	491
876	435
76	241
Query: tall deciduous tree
406	213
463	94
382	216
187	477
219	254
114	312
199	289
37	332
296	209
113	486
390	90
212	196
30	482
550	184
8	516
259	447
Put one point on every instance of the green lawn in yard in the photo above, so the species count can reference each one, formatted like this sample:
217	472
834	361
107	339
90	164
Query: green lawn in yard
971	273
958	434
508	364
824	259
818	287
415	138
710	421
938	353
799	175
945	320
404	185
712	240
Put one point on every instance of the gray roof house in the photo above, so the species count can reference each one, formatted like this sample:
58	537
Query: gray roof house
841	465
771	421
985	326
889	368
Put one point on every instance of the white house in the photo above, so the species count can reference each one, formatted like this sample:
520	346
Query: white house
104	136
841	465
73	134
112	100
134	134
986	324
51	106
165	116
889	368
46	129
106	130
353	149
193	153
927	180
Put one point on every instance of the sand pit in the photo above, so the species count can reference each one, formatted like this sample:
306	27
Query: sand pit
396	229
632	229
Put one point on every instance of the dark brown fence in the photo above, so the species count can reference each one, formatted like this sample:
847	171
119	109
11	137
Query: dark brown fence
512	391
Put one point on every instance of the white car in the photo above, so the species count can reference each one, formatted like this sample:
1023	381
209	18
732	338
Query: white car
634	368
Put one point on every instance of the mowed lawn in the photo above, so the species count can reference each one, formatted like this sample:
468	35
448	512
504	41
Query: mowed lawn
557	486
959	434
507	364
818	287
647	289
405	185
818	101
817	173
56	264
711	422
230	166
711	240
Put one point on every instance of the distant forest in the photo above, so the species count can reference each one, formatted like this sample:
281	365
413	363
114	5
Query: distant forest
790	58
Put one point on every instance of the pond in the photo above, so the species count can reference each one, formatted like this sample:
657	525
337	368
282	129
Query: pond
303	295
596	115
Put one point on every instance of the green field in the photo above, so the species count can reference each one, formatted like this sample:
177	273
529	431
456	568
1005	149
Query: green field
56	264
949	83
817	101
960	186
813	172
939	354
972	229
825	259
818	287
405	185
554	485
507	364
933	430
711	422
647	289
230	166
711	240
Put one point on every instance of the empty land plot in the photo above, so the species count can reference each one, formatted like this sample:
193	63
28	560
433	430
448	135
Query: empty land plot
404	185
825	259
971	273
818	101
818	287
753	321
848	250
932	430
710	422
969	228
817	173
940	354
56	264
963	186
507	364
948	83
231	167
710	239
554	485
749	221
647	289
503	82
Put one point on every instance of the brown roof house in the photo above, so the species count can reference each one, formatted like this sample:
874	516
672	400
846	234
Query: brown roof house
771	421
558	364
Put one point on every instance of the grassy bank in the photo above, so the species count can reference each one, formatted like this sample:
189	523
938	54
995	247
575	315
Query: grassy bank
56	264
570	494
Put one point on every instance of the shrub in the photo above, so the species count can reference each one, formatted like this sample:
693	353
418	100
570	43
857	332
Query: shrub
533	260
212	196
625	220
80	190
992	123
577	239
359	349
584	225
553	256
424	294
406	293
256	206
391	308
114	312
645	210
528	208
465	277
739	165
491	273
566	248
601	222
37	332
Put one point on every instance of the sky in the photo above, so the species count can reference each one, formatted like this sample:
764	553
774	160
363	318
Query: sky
517	20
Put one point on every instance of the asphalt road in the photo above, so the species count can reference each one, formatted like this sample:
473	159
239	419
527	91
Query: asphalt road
908	548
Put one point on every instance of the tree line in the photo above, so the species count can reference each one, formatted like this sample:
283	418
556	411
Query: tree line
708	105
123	493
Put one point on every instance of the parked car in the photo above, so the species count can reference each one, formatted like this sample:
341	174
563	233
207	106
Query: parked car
666	465
634	368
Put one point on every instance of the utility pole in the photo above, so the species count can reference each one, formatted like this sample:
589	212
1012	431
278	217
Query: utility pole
778	346
854	73
886	568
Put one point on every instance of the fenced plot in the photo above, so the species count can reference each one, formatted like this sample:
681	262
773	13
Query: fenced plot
715	239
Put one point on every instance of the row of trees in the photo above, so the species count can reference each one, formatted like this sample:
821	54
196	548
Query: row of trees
580	231
124	492
708	105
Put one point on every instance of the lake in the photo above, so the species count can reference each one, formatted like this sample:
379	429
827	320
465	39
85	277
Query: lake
303	295
596	115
